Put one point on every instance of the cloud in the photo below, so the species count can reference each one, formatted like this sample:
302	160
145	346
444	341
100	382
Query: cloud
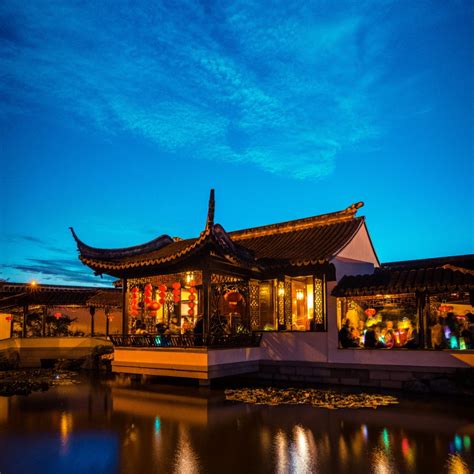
56	271
286	89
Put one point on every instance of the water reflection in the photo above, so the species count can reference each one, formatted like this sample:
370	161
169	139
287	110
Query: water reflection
108	428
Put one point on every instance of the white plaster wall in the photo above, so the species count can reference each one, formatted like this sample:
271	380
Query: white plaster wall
294	346
401	357
360	248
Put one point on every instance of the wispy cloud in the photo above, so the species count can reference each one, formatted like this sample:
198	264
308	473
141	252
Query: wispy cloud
56	270
285	88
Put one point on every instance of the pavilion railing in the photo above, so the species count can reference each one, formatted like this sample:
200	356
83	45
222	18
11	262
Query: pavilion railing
186	340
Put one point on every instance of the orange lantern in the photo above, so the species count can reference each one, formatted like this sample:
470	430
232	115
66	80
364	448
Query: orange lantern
155	306
176	285
233	297
370	312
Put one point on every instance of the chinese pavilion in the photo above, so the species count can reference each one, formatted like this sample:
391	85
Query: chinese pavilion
272	277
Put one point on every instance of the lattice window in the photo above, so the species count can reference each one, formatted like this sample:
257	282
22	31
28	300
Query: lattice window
281	303
254	305
288	317
318	301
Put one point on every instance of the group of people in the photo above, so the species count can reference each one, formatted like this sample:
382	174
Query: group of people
453	333
448	332
162	328
378	335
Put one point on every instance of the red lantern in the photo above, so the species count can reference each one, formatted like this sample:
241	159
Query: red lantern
162	288
148	286
192	290
192	283
135	290
191	312
233	297
192	297
57	315
155	306
9	318
176	299
370	312
176	285
191	304
162	301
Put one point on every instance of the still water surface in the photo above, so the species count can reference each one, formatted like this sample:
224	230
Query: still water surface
119	427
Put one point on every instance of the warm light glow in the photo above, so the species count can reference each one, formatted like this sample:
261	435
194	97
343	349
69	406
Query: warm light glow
456	465
33	283
281	291
65	429
300	295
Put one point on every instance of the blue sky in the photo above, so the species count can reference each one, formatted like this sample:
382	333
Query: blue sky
117	118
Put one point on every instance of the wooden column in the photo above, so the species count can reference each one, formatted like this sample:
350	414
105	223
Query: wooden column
92	313
124	306
107	312
421	315
206	298
23	328
43	321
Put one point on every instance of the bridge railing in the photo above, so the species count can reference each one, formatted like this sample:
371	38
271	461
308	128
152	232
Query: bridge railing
186	340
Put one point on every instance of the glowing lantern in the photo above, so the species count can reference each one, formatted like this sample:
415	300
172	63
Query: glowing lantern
233	297
176	285
110	317
9	318
191	312
192	297
57	315
370	312
191	304
155	306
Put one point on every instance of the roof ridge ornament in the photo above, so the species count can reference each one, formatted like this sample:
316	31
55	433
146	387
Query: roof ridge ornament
210	210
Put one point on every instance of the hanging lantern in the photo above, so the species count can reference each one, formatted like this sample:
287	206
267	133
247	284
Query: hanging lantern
191	312
370	312
134	290
57	315
191	304
192	297
9	318
155	306
192	283
176	298
233	297
110	317
162	288
176	285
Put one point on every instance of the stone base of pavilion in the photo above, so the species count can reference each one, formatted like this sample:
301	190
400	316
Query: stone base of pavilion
197	363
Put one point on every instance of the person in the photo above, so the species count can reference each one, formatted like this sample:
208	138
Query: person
437	334
370	341
198	331
345	336
160	328
413	341
187	327
141	329
174	327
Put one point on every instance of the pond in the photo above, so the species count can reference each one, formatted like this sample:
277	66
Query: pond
120	426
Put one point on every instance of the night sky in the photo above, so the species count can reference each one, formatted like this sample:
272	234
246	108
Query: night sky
117	118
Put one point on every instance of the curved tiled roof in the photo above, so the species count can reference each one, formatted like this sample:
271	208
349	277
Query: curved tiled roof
386	281
301	242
